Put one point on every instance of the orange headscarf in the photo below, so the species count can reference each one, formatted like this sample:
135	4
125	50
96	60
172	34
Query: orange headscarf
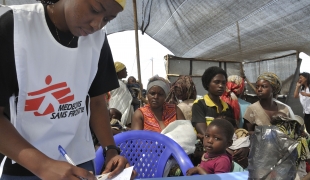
234	87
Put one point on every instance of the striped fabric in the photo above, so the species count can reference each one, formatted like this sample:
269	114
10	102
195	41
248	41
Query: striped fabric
150	121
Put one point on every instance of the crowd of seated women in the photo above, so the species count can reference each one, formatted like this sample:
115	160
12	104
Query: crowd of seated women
223	122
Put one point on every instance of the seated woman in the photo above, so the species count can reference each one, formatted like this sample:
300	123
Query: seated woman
260	113
183	93
234	89
210	106
156	115
268	85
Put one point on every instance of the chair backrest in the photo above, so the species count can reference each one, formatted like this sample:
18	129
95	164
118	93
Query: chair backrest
148	152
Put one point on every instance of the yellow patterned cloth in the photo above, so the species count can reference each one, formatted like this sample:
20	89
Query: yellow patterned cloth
274	81
292	129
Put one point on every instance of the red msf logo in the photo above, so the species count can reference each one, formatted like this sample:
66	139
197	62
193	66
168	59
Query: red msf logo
44	100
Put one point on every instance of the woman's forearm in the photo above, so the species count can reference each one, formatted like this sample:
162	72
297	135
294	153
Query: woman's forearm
296	92
100	123
13	145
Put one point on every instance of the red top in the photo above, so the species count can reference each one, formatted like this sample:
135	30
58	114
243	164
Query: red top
219	164
151	123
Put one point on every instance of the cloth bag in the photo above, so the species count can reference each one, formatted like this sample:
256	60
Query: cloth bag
182	132
272	155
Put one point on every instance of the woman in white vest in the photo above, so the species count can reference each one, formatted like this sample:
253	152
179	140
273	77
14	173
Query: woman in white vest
53	55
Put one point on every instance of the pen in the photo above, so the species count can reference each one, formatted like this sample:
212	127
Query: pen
65	155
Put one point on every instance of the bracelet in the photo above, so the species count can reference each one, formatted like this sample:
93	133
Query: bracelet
105	149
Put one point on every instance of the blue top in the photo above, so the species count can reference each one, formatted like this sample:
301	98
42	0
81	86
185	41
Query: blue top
243	105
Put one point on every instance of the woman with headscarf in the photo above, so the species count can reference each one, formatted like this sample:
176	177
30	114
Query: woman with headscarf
157	114
263	112
121	98
260	113
234	89
183	93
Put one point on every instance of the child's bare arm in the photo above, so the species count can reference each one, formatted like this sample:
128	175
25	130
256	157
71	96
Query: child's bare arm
196	170
201	171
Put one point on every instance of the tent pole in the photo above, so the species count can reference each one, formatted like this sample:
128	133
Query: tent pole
137	38
242	72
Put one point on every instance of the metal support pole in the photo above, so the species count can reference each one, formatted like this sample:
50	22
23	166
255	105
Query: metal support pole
137	38
152	68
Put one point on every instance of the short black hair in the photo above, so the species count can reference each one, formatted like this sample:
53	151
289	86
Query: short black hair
116	111
209	74
225	126
229	119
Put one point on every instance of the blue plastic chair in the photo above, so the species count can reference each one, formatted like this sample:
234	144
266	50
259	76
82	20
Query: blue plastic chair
148	151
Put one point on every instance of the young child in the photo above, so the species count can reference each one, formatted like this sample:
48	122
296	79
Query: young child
115	120
115	114
218	137
241	142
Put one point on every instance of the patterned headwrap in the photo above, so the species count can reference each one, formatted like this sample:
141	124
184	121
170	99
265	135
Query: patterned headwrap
234	87
274	81
119	66
159	81
187	88
122	3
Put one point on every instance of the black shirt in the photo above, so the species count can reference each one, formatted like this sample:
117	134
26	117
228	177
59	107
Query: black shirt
104	81
201	110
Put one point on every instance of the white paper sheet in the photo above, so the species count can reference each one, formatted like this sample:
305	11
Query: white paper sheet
124	175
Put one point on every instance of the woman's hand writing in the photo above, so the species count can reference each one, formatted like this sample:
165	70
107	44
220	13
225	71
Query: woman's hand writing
116	165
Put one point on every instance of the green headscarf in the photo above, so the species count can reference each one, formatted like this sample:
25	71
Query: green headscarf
274	81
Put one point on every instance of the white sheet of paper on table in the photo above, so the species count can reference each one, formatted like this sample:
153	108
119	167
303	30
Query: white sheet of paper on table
124	175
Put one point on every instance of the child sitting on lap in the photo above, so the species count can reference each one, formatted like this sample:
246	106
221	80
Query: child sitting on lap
115	121
218	137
